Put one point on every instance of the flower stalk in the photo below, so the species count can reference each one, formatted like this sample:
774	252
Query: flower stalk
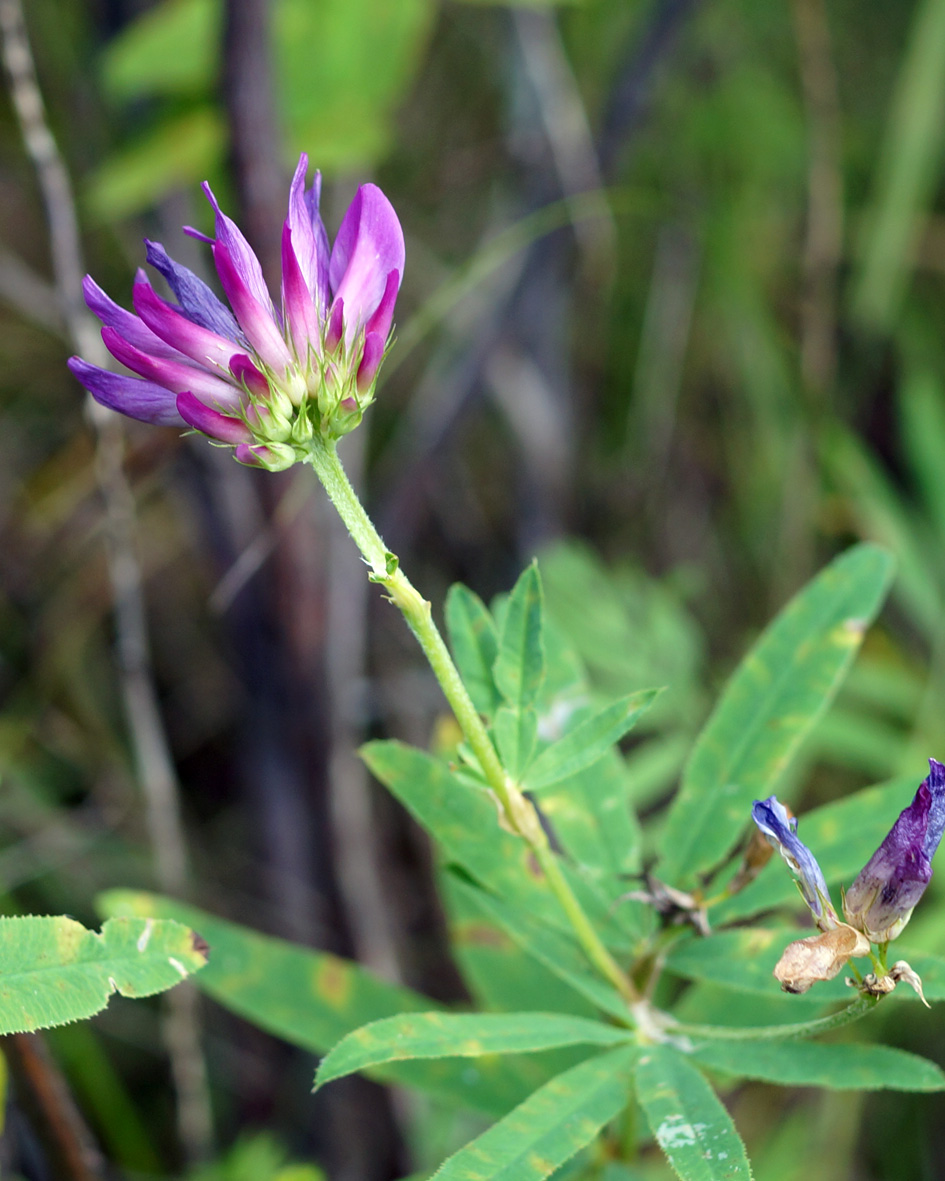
517	812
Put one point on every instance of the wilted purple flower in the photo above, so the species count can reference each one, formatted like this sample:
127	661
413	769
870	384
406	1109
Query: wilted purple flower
262	379
881	900
780	828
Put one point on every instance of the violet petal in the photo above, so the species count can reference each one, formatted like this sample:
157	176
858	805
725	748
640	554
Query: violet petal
197	301
139	399
176	376
383	317
309	237
772	819
130	326
936	785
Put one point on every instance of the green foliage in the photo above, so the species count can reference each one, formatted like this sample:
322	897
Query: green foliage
687	1119
820	1064
460	1035
312	999
55	971
777	694
339	72
551	1125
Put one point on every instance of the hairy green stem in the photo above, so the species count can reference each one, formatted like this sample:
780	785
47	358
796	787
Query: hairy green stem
801	1029
518	812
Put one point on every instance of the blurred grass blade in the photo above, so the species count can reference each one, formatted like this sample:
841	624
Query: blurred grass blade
52	970
908	169
768	707
824	1064
688	1120
550	1126
460	1035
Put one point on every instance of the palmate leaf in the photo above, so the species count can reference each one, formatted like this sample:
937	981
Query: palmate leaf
840	1066
52	970
769	706
312	999
554	1123
460	1035
687	1118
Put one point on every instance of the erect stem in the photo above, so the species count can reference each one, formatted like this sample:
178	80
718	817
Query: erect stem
519	813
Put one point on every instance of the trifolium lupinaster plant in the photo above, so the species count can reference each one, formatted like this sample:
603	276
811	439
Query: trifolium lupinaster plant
533	807
878	904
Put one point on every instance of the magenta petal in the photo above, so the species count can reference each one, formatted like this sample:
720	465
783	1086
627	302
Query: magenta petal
256	319
201	345
176	376
370	244
335	325
129	325
240	252
216	425
383	317
247	374
309	237
251	456
373	355
297	300
139	399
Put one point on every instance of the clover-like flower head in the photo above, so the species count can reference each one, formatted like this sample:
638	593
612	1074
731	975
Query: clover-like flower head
261	379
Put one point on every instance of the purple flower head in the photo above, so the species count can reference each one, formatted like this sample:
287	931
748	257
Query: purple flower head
780	828
262	380
881	900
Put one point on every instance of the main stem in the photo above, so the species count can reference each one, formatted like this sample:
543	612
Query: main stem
519	813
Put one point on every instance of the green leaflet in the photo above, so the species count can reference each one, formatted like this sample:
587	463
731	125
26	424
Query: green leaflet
516	733
842	1066
475	645
588	741
457	814
500	976
551	1125
312	999
550	947
520	665
687	1119
460	1035
54	970
769	706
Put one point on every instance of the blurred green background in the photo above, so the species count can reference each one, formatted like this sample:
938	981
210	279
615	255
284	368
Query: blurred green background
672	320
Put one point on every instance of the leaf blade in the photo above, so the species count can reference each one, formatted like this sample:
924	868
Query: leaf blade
688	1120
581	747
460	1035
519	667
550	1126
770	704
